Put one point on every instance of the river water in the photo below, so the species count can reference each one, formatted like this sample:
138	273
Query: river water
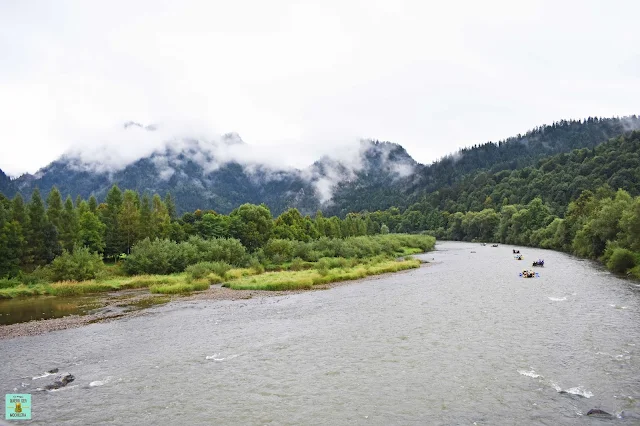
463	340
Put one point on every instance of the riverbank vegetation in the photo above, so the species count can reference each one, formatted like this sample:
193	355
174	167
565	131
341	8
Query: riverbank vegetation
168	267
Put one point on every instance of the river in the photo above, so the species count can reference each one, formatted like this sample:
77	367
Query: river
463	340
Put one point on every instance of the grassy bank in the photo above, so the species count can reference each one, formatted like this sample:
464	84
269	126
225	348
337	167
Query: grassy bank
297	280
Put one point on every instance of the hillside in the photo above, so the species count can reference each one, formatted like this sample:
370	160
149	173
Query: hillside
557	179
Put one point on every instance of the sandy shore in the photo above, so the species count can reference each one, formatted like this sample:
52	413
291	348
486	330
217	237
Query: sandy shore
113	306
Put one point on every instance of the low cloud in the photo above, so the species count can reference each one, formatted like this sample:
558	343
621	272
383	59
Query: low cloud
169	147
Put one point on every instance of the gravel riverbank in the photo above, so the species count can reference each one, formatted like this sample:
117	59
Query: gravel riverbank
114	307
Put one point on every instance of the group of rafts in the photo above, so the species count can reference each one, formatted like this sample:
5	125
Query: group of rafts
528	273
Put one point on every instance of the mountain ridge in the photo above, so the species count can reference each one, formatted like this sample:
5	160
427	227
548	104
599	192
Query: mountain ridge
381	175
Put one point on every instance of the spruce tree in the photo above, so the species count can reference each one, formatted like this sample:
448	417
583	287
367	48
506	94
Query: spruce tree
54	207
19	212
113	237
68	226
160	218
11	244
93	204
170	204
38	230
129	220
146	225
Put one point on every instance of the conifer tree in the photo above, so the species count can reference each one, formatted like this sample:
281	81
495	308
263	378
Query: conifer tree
68	226
40	232
170	204
54	208
11	244
113	236
160	218
146	225
93	204
19	212
129	220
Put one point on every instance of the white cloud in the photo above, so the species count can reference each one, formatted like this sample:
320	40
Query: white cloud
301	79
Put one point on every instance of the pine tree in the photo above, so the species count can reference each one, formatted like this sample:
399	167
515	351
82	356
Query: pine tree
93	204
129	220
78	200
40	231
11	244
54	207
68	226
146	225
19	212
113	236
160	218
170	205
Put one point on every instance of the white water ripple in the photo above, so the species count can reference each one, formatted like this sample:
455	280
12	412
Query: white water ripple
531	373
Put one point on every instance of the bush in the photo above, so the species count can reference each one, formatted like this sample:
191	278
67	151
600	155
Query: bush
278	250
621	260
166	257
9	282
297	264
202	269
80	265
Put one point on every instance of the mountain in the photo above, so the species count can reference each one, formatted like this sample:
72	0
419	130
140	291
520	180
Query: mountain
203	175
199	180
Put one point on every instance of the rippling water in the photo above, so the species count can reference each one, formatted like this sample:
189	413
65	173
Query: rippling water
461	341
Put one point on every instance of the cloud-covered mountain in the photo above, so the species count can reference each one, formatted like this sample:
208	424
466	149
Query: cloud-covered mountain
218	174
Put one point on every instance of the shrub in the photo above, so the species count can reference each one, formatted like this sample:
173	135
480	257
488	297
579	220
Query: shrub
297	264
202	269
9	282
166	257
80	265
621	260
256	266
278	250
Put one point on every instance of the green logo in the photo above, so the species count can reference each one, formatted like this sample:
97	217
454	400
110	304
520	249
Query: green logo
17	406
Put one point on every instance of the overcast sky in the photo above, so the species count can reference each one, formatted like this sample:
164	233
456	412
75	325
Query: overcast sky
299	79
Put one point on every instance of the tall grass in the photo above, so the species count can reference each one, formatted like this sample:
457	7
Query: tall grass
300	280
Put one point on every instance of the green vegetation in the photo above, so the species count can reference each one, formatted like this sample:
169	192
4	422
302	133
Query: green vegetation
299	280
363	256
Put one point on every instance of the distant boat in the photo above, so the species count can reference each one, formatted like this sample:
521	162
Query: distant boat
495	245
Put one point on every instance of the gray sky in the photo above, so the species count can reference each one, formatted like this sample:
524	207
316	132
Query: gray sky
299	79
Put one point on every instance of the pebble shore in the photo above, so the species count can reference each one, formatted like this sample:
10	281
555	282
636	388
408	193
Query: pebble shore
112	309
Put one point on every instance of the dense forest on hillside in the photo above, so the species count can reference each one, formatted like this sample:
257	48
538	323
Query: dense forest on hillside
557	179
523	150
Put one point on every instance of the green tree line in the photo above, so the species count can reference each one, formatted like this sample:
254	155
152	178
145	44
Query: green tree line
34	233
